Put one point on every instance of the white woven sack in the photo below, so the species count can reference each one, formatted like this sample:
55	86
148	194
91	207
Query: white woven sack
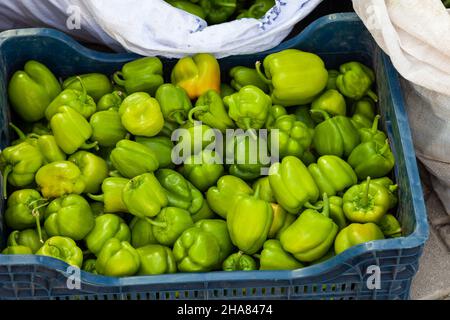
153	27
416	36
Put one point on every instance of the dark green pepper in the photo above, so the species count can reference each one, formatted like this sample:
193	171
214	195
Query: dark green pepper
355	81
239	262
218	11
174	102
111	100
243	76
141	233
107	128
373	134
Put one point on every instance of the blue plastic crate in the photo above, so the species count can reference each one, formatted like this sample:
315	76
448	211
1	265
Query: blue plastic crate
337	39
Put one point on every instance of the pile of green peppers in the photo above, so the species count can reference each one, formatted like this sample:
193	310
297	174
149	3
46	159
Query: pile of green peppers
90	177
219	11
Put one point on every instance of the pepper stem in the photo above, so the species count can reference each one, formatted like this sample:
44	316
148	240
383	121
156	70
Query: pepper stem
115	173
257	256
326	206
372	95
118	78
325	114
261	74
248	127
87	146
365	199
224	4
35	212
195	110
178	118
22	136
385	147
310	206
84	94
99	198
156	224
5	174
375	124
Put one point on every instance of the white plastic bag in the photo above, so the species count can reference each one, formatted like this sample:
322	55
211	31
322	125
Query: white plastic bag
153	27
416	36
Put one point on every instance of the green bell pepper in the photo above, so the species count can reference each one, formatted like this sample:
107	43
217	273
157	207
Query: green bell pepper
371	159
335	136
111	100
112	195
265	190
311	236
28	238
218	11
332	102
303	114
196	250
219	229
205	212
94	170
141	75
355	81
132	159
71	130
22	250
118	259
106	226
273	257
249	222
156	259
363	113
390	226
336	211
373	134
295	77
180	192
97	85
107	128
80	101
292	184
192	138
332	175
275	112
366	202
248	155
174	102
41	128
226	90
239	262
243	76
356	234
141	233
202	170
294	136
23	210
249	107
189	7
20	163
161	147
332	77
69	216
228	190
210	110
64	249
169	224
391	187
144	196
258	9
141	115
89	266
60	178
31	90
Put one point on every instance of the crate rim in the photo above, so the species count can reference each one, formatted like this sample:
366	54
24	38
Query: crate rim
414	240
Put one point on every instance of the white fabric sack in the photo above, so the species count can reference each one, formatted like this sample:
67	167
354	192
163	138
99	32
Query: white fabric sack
153	27
416	36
